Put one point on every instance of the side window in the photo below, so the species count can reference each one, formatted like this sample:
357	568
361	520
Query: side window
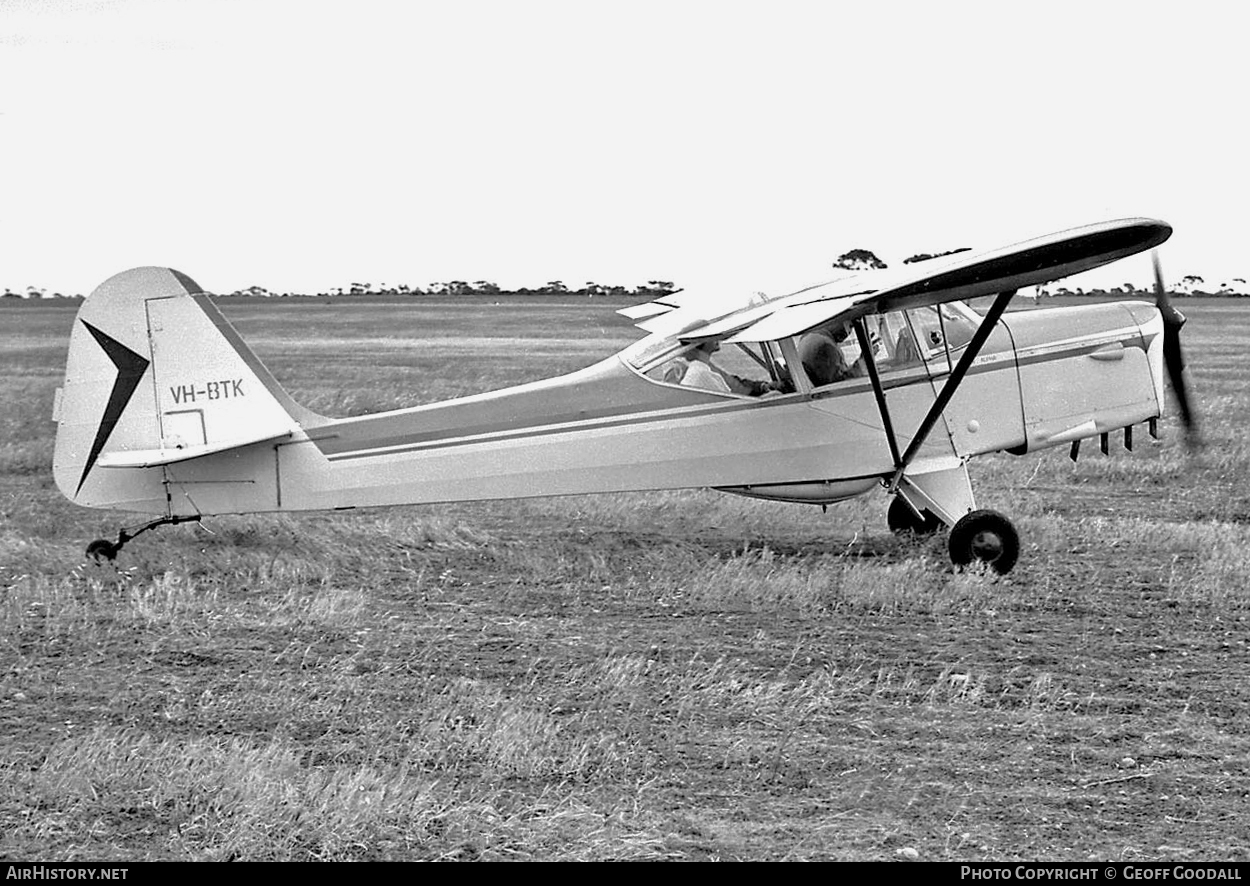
899	340
926	324
959	327
898	348
830	354
941	329
743	369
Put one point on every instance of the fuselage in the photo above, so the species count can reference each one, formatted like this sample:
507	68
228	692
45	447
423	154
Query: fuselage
1044	377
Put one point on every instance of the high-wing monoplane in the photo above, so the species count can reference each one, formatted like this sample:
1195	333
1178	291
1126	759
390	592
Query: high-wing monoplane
878	379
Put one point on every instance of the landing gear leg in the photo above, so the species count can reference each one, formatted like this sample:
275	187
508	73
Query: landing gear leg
943	493
902	519
103	549
987	537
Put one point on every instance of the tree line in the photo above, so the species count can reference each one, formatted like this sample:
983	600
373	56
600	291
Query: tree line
857	259
652	289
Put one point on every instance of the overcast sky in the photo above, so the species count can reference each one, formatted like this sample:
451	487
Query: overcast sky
301	146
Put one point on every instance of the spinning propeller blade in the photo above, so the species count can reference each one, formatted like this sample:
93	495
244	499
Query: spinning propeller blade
1173	359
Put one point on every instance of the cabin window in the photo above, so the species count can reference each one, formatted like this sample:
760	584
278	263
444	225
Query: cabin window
750	370
927	326
897	347
899	340
830	354
942	329
959	322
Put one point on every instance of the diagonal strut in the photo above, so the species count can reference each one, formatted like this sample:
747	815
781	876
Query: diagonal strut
953	381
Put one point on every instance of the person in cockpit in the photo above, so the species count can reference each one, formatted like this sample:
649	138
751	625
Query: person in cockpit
821	353
701	373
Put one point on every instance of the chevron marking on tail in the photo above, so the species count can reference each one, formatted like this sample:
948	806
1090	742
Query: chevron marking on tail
130	369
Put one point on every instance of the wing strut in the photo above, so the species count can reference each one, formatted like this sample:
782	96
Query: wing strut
865	348
952	383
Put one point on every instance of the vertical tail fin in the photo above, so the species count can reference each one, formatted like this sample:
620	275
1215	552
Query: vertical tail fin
154	374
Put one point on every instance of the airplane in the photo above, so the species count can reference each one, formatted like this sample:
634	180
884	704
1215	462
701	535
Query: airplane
873	379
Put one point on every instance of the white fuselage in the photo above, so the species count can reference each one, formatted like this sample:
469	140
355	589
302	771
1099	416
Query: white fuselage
1042	377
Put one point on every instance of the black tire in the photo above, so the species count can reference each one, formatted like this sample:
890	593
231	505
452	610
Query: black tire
102	549
985	536
903	520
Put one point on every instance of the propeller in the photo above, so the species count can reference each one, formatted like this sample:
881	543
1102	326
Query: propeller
1173	359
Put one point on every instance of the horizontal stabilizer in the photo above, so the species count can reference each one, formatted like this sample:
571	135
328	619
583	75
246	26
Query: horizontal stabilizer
643	311
149	458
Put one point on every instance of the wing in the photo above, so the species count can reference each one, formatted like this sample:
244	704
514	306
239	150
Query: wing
964	276
674	315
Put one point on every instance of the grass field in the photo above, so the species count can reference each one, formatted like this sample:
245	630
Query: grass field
676	675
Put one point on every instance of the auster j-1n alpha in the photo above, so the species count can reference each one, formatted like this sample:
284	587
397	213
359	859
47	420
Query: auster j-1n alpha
883	378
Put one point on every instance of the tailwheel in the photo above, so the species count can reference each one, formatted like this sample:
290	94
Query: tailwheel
103	549
902	519
985	536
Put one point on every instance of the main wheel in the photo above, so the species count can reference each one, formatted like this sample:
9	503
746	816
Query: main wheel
902	519
986	536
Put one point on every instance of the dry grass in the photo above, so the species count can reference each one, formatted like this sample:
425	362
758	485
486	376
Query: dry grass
661	675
